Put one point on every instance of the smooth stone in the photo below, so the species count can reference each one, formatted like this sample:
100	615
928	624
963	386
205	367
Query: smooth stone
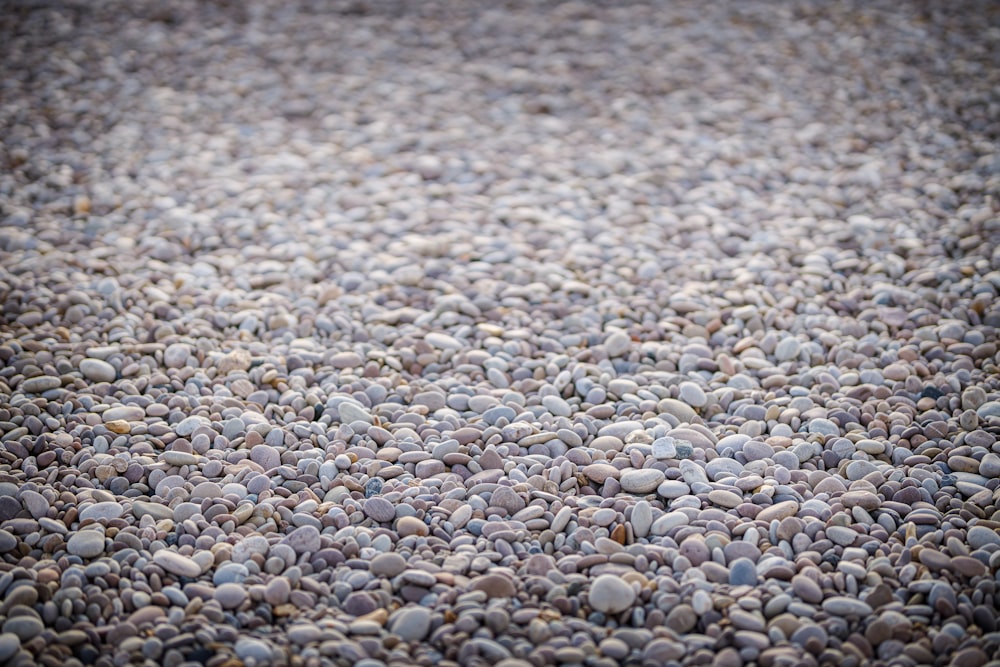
86	543
387	565
841	535
105	510
617	344
778	511
40	384
175	563
787	349
807	589
176	355
230	596
678	409
10	644
411	623
249	648
494	585
641	481
7	541
277	591
682	618
97	370
642	518
23	627
410	525
610	594
722	498
672	489
304	539
742	572
379	509
841	605
352	412
692	394
981	536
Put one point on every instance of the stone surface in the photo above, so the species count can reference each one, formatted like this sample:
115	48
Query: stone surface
610	595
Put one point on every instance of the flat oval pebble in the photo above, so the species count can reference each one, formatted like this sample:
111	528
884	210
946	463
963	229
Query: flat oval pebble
641	481
610	594
86	543
175	563
98	370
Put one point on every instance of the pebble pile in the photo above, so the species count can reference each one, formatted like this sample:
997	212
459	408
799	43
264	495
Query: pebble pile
448	333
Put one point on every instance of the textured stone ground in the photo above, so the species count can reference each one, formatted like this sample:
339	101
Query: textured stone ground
444	333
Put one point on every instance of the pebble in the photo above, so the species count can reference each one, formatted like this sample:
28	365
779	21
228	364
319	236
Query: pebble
175	563
230	596
411	624
98	370
10	643
610	594
641	481
86	543
840	605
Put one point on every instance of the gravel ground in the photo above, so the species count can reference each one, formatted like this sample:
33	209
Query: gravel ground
443	333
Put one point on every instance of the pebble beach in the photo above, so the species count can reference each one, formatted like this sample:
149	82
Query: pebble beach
455	334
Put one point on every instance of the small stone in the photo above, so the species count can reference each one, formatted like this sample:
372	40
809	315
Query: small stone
7	541
807	589
411	623
981	536
248	648
277	591
97	370
86	543
778	511
387	565
989	466
40	384
841	535
642	518
23	627
359	604
742	572
237	360
787	349
507	499
842	605
119	426
617	344
641	481
682	618
664	448
10	644
695	549
35	503
175	563
410	525
304	539
379	509
722	498
692	394
102	511
176	355
494	585
230	596
348	359
610	594
352	412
